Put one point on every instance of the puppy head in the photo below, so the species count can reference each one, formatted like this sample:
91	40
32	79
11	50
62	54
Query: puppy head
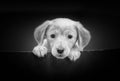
61	37
83	36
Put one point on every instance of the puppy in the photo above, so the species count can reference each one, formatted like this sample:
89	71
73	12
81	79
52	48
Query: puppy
62	37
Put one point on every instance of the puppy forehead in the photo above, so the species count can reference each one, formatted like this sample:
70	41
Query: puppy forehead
62	29
62	24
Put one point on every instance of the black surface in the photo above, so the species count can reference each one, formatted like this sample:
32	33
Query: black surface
92	65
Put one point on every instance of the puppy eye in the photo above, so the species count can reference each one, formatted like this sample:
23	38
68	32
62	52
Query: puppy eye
70	36
52	35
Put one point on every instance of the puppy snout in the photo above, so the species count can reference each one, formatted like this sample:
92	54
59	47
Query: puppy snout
60	51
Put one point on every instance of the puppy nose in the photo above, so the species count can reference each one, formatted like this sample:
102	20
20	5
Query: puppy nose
60	51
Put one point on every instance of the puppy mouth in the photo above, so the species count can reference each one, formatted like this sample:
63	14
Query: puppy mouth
60	56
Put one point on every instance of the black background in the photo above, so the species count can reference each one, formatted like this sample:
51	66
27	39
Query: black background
18	21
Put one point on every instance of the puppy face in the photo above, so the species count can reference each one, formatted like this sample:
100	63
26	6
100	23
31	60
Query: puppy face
62	37
61	40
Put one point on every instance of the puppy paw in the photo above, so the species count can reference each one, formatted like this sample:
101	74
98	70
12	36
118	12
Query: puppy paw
40	51
74	55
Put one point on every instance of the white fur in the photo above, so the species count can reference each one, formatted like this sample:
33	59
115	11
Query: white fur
40	50
58	26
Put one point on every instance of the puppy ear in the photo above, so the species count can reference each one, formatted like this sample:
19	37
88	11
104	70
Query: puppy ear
39	33
83	36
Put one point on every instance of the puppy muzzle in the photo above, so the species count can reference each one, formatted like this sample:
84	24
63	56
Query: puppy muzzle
60	53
